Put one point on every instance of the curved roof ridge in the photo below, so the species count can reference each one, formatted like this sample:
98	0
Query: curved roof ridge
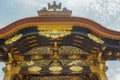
59	19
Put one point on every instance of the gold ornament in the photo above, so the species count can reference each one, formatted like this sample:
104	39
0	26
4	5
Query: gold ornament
95	38
76	68
55	68
74	56
36	57
55	31
34	69
13	39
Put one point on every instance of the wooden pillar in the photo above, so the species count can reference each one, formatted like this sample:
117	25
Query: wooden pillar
8	73
7	76
102	67
102	75
102	72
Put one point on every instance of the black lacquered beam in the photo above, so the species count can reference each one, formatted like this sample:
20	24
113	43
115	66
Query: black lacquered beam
29	57
46	72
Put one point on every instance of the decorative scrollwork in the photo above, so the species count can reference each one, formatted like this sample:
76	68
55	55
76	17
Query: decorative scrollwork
18	57
55	31
74	56
34	57
13	39
55	35
95	38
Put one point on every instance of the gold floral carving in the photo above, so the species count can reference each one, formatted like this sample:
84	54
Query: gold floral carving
55	31
95	38
74	56
55	68
18	57
13	39
36	57
34	69
76	68
55	56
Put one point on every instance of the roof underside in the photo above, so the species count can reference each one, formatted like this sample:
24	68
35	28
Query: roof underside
31	38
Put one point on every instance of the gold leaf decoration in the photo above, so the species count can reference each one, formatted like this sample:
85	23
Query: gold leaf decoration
55	31
76	68
18	57
13	39
36	57
95	38
55	35
74	56
55	68
34	69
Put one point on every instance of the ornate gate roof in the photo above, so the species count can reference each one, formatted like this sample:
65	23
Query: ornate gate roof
54	43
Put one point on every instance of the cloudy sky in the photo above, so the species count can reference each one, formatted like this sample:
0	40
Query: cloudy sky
105	12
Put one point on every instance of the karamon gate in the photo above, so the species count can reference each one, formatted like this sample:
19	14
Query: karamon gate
56	46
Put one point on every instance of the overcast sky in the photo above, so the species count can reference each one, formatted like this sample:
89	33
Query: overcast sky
105	12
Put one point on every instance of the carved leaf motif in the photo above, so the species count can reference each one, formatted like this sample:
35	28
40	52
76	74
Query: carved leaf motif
13	39
95	38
